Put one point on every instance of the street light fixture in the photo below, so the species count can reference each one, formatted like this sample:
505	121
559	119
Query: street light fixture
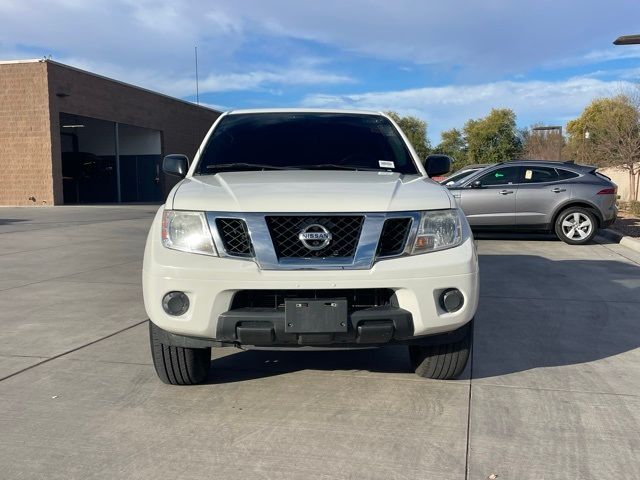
557	128
627	40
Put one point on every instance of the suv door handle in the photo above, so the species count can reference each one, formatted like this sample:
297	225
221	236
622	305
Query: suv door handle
505	192
558	190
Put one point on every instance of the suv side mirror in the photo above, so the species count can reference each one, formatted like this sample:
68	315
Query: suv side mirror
476	184
438	165
176	165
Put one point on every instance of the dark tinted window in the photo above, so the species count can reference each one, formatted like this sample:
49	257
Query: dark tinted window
540	175
501	176
565	174
307	140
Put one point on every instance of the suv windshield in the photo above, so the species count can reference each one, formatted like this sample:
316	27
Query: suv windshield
458	177
332	141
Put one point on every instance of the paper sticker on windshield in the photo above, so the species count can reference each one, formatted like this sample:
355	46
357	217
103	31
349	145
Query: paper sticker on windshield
528	174
386	164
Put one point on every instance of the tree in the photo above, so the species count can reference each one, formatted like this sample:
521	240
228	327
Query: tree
493	138
452	143
607	134
416	131
541	144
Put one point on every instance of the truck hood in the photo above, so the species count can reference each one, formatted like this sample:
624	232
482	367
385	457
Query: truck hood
308	191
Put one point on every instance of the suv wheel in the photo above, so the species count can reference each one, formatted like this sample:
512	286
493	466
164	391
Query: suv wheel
178	365
576	226
442	362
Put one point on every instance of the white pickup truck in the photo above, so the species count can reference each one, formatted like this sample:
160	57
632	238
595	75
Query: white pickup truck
308	228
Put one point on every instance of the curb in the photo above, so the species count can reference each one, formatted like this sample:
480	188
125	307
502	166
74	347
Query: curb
624	240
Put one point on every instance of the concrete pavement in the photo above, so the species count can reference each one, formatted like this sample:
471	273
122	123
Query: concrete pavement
553	391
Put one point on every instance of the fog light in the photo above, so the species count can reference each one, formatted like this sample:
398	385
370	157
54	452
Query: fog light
175	303
451	300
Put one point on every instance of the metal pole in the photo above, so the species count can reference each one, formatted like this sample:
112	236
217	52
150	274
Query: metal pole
560	145
197	86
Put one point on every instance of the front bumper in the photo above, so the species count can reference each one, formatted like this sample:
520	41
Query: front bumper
212	282
267	327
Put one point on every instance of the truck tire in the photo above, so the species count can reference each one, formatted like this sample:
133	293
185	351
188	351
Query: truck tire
576	226
178	365
441	362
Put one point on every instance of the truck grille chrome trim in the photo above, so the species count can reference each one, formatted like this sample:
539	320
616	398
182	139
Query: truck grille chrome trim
272	243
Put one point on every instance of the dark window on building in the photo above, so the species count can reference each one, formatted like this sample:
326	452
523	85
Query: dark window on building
104	162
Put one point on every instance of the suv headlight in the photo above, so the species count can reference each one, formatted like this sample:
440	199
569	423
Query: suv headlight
438	230
187	231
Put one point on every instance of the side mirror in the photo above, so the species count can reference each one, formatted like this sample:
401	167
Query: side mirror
476	184
437	165
176	165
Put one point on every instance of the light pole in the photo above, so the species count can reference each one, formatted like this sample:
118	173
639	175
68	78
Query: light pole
557	128
627	40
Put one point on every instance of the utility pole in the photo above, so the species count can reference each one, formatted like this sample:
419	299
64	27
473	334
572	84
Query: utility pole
197	86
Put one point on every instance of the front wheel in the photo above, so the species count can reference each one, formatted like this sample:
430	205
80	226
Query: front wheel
442	362
576	226
178	365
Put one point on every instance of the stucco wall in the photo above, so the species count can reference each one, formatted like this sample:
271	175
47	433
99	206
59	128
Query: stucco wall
620	178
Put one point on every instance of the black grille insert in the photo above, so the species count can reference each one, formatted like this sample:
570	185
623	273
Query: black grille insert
394	237
235	236
357	298
345	233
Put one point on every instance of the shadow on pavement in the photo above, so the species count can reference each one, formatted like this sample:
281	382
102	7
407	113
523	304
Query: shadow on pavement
534	312
9	221
529	236
251	364
535	237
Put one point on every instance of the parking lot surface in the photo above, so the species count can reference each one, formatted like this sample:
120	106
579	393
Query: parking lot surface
552	391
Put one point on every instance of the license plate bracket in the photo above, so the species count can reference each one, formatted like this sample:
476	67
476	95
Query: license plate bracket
310	315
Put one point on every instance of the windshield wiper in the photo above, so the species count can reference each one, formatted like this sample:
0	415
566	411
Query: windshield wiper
336	166
261	166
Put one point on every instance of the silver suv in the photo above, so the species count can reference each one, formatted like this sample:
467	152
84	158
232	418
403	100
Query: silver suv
572	200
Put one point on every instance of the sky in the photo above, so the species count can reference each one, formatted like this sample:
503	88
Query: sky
442	61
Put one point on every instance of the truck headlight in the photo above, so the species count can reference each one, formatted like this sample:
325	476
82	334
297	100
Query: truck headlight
187	231
438	230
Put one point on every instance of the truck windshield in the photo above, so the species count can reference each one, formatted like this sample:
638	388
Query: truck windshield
313	141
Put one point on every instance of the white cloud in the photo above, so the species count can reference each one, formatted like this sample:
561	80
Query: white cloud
613	53
252	81
479	40
451	106
302	72
269	47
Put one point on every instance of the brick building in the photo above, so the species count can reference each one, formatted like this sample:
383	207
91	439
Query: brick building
70	136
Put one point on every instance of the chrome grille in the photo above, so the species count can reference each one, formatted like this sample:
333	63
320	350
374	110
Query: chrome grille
235	237
345	233
394	237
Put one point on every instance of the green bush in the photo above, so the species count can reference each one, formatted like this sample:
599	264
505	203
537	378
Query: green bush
634	207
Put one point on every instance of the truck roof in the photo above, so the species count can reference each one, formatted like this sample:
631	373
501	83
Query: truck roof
303	110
